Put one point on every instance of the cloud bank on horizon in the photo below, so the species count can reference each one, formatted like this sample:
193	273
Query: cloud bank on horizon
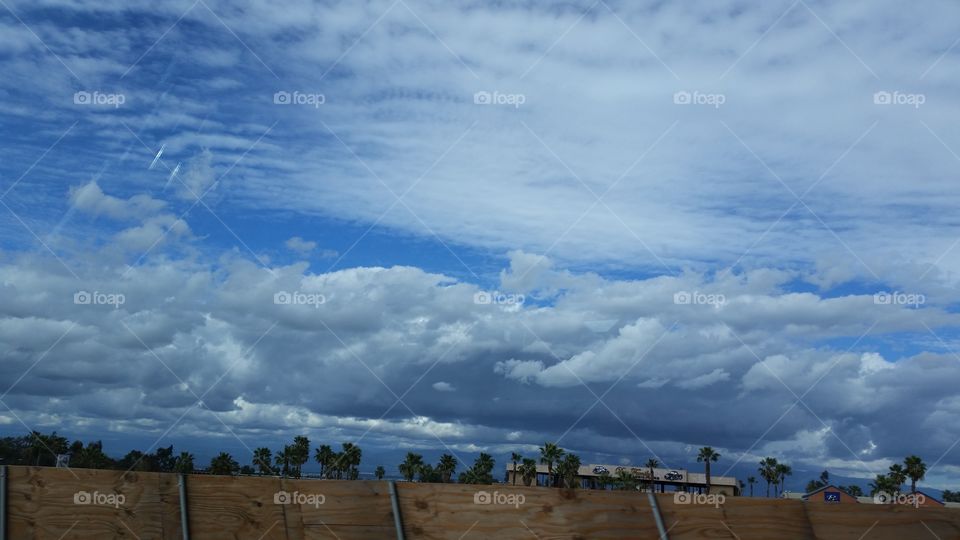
632	227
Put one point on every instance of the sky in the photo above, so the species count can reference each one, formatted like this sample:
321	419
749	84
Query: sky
634	228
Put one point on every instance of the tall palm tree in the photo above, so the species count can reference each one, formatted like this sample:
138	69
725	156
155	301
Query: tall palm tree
898	475
782	471
411	466
379	472
324	456
446	466
652	464
262	458
767	471
706	455
916	470
528	471
751	480
550	453
515	457
300	454
351	455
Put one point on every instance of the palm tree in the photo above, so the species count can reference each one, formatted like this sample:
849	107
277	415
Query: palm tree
916	470
262	458
224	464
625	480
284	460
751	480
882	484
351	455
515	457
484	466
411	466
550	453
898	475
706	455
652	464
604	479
300	454
568	469
379	472
447	466
782	471
528	471
324	456
767	471
183	464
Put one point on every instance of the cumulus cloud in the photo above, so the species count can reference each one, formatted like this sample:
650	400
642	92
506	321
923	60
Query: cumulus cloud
91	199
300	245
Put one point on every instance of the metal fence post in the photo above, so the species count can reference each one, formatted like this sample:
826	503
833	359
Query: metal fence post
395	504
656	515
184	521
3	502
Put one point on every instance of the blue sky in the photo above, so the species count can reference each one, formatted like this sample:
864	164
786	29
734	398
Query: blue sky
779	163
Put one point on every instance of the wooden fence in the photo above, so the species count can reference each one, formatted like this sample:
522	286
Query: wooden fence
44	503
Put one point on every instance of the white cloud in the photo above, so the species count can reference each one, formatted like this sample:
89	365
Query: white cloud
441	386
300	245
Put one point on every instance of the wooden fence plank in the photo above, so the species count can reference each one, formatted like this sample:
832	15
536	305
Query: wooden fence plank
738	517
892	522
331	509
46	502
235	508
442	511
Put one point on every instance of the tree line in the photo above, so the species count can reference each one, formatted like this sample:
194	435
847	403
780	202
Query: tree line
344	464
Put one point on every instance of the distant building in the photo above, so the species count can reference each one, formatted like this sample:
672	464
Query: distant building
676	479
830	495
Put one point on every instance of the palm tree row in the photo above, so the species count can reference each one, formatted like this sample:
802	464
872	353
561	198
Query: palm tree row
775	474
342	465
913	468
413	468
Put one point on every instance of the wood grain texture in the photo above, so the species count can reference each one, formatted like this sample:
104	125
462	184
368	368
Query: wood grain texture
738	517
441	511
348	510
41	506
235	508
883	522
